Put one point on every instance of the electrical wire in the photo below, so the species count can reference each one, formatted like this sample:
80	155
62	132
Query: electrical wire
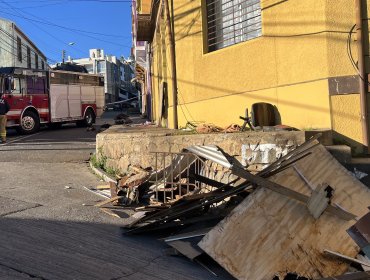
38	27
22	44
350	56
64	27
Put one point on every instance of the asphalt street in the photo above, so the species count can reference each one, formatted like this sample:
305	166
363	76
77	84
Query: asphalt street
49	226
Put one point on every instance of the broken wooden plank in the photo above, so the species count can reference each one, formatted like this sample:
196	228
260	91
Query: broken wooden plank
109	212
364	259
105	202
269	233
347	258
103	187
113	189
287	192
319	200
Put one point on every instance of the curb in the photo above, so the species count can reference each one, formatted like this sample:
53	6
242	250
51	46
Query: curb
102	174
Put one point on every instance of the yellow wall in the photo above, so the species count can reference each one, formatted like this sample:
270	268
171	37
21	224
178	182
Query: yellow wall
144	6
303	44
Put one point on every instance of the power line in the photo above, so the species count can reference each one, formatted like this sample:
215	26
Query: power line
22	44
63	27
38	6
51	35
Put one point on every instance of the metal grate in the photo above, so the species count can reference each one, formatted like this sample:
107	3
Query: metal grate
175	176
230	22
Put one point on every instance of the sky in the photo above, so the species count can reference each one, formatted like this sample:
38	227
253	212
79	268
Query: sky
73	25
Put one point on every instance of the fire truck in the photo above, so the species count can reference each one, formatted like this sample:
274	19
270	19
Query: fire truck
50	97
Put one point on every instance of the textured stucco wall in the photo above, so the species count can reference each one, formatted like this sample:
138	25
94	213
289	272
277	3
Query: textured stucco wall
303	44
135	148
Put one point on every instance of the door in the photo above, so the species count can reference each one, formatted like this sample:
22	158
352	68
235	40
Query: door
37	96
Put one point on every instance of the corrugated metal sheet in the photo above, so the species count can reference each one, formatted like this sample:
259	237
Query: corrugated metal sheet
212	153
271	234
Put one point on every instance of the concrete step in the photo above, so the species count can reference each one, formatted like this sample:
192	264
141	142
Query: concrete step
342	153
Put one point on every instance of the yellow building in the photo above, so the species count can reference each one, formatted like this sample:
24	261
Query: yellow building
295	54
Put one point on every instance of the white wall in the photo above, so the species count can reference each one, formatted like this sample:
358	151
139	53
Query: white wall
9	48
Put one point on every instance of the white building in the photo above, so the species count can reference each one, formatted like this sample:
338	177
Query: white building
17	50
117	74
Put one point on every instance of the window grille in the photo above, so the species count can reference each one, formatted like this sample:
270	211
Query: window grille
29	57
230	22
36	61
19	49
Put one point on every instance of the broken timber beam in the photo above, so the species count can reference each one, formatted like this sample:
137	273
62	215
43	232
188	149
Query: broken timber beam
287	192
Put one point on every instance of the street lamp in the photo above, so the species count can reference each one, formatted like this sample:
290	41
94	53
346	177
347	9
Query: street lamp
64	52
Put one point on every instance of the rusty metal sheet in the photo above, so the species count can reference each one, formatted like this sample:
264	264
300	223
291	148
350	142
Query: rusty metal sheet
360	233
271	234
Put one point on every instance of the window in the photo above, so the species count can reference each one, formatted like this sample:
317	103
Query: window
101	67
36	61
28	57
42	65
35	85
89	68
19	49
230	22
16	86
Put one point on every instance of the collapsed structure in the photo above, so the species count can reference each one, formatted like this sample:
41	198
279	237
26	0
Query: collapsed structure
291	218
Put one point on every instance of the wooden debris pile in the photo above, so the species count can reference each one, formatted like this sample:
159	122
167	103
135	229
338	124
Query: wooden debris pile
288	220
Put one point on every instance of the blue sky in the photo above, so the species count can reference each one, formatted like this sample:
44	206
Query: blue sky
108	21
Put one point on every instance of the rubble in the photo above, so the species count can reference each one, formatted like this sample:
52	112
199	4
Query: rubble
290	218
122	119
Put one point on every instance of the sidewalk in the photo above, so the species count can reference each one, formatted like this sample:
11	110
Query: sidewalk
49	229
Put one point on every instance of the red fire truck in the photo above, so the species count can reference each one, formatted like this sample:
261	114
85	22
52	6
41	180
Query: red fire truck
50	97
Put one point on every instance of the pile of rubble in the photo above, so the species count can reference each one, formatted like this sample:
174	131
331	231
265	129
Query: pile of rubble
296	219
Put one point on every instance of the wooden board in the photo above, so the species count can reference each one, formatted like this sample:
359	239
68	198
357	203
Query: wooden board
271	234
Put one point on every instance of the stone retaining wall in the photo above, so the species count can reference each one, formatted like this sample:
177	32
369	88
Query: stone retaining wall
122	147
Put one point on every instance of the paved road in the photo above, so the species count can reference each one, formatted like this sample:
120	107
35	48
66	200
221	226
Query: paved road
49	228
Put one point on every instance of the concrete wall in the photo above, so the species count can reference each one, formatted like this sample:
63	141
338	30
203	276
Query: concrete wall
7	44
9	51
124	147
300	57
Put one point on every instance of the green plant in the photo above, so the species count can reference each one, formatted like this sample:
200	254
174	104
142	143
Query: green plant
111	171
100	161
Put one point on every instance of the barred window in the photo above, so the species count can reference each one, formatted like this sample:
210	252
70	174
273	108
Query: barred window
36	61
230	22
29	57
19	49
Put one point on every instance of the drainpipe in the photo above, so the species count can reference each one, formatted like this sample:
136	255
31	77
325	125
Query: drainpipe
362	71
173	62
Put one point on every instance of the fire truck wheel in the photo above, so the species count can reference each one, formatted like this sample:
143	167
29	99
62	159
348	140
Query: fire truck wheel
30	123
88	120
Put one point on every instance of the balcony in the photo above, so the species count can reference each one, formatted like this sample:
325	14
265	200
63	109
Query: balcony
144	28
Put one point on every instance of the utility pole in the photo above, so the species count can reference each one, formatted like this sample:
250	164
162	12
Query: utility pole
362	72
63	55
171	36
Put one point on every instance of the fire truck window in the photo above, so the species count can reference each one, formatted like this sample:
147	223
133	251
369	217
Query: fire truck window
35	85
16	86
39	86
